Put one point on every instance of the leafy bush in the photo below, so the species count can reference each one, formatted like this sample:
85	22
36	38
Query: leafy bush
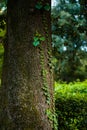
71	105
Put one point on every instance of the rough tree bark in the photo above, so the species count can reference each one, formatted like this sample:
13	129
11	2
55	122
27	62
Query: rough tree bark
27	79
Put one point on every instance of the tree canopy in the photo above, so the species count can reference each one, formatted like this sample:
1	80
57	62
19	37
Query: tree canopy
69	29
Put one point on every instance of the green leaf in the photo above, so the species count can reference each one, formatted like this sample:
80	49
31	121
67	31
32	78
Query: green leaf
47	7
36	43
38	5
36	38
42	38
38	34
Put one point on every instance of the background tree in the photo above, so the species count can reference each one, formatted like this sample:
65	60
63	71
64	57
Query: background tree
2	31
27	79
3	10
70	39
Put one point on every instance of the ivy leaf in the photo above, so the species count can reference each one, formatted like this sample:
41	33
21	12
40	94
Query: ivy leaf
42	38
38	35
38	5
36	38
36	43
47	7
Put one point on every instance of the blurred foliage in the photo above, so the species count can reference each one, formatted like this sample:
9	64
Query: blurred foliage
3	8
69	36
71	105
3	11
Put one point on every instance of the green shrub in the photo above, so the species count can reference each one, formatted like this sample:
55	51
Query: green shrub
71	105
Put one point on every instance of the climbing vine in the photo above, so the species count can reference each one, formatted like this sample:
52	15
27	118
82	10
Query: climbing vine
44	73
39	5
52	118
50	64
38	38
50	113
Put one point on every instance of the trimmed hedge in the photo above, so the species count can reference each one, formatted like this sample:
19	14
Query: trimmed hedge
71	105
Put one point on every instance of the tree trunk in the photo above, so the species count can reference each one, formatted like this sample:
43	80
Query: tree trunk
27	79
